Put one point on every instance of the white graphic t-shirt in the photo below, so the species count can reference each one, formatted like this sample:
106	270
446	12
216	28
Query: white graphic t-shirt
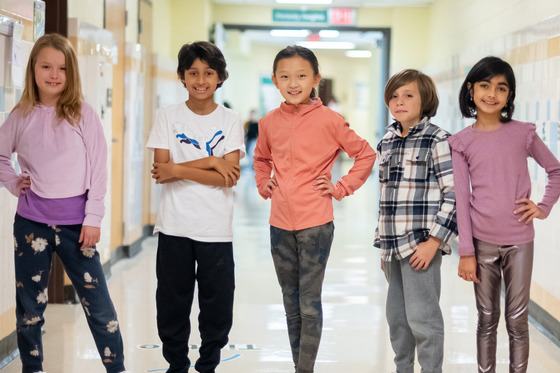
186	208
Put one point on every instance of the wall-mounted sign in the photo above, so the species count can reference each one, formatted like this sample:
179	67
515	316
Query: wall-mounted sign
301	16
342	16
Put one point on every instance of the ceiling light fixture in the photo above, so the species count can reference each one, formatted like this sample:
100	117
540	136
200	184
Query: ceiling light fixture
358	53
302	2
290	33
329	33
327	44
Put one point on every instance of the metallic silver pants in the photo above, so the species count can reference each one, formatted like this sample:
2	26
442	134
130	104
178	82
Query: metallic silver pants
515	262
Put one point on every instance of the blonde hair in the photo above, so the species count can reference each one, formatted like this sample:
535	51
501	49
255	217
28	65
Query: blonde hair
69	104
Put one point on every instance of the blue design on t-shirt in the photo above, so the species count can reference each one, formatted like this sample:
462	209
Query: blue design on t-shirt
185	139
209	149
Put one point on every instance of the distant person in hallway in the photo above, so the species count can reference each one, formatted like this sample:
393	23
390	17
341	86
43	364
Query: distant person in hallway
197	147
251	128
297	146
494	210
62	152
417	220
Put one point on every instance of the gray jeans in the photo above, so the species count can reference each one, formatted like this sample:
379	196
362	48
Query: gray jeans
516	264
413	314
300	258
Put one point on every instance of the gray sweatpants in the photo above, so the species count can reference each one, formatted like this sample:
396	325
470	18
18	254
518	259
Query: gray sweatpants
413	314
300	258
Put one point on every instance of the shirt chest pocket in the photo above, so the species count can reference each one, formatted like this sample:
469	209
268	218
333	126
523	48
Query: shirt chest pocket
384	168
416	164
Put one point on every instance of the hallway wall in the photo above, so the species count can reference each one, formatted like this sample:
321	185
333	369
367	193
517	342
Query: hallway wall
457	26
89	11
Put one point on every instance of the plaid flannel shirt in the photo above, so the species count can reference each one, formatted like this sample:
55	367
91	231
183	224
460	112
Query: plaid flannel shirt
417	199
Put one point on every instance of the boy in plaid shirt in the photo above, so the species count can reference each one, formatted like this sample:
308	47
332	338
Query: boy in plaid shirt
417	220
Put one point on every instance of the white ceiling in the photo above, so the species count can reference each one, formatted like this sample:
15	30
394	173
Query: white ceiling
337	3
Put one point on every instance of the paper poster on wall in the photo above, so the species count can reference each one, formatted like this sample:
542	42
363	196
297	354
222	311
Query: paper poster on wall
554	138
362	90
38	19
6	25
269	98
17	63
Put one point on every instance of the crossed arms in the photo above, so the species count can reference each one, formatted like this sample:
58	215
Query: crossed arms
216	171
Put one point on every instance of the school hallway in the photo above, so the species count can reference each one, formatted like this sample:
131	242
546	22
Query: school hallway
355	335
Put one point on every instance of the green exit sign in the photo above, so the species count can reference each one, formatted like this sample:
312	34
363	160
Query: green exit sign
302	16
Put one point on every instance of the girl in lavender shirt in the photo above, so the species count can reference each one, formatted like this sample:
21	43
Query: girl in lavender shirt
63	158
494	211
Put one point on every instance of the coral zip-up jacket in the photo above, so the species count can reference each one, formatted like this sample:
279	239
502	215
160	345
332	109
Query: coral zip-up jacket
298	145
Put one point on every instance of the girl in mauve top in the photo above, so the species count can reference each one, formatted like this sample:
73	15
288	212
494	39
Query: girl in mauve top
494	211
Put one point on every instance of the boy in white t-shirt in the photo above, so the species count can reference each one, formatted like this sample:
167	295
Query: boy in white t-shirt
197	147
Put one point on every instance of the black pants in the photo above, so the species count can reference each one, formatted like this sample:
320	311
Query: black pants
180	263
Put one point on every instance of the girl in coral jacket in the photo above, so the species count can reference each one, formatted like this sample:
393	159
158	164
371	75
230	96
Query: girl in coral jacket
297	146
494	211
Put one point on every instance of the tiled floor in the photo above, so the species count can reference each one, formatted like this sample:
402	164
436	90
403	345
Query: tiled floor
355	337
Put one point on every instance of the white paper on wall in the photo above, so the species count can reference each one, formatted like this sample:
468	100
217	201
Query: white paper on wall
17	59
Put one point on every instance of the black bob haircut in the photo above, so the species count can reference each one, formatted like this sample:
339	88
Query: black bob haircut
484	70
204	51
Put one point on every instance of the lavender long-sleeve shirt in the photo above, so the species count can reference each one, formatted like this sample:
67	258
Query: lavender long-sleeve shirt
62	160
494	165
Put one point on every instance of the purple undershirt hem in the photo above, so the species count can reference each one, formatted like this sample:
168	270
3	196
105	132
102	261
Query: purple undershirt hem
52	211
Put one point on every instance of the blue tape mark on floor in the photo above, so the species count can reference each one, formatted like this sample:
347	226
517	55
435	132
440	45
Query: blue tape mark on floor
228	359
233	357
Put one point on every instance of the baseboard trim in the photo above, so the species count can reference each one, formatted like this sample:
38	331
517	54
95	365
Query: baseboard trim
129	251
116	255
8	349
545	322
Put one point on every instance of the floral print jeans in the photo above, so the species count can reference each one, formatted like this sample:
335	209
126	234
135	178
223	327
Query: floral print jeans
300	259
34	244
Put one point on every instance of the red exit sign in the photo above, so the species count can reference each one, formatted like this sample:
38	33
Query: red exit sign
342	16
